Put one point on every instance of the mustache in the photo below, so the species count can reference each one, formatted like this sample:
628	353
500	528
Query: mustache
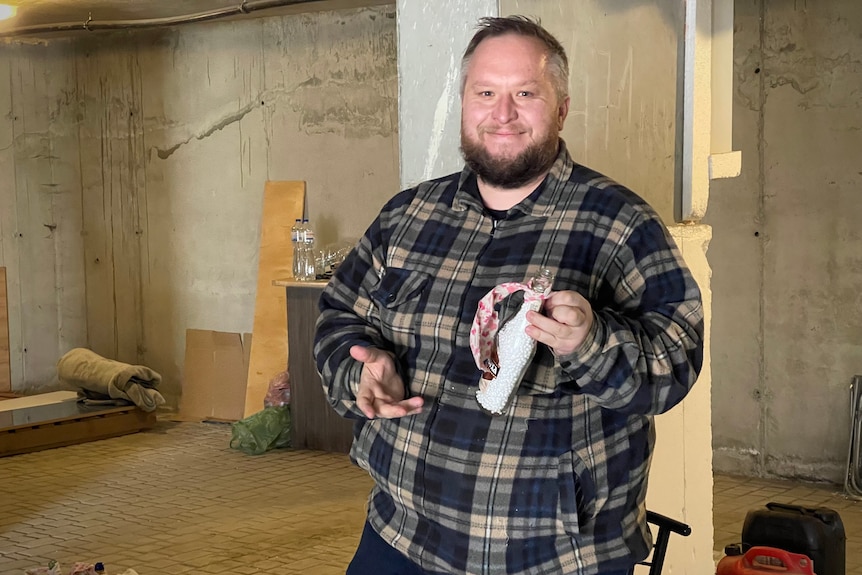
501	129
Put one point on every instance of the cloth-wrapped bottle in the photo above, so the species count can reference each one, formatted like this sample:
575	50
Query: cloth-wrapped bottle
500	345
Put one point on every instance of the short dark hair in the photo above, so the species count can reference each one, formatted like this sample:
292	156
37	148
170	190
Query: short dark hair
491	27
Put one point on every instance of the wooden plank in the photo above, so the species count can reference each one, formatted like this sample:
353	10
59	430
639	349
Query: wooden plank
78	428
283	203
5	371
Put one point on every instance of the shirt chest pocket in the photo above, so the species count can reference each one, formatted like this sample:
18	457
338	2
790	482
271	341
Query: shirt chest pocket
401	297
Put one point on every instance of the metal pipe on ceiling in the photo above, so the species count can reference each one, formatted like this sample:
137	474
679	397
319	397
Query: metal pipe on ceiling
90	25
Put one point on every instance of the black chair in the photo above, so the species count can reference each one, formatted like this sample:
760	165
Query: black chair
666	526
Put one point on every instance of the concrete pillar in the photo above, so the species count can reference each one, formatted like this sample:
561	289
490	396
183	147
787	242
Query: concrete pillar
431	38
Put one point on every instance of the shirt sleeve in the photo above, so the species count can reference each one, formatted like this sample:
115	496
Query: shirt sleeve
348	317
644	350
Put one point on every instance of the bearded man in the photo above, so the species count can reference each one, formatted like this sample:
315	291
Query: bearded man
555	483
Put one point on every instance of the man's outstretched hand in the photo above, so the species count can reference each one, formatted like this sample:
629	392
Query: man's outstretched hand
381	390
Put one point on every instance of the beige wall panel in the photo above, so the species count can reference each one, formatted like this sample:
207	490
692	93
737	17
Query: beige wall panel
812	178
333	116
681	475
624	88
278	99
736	256
205	173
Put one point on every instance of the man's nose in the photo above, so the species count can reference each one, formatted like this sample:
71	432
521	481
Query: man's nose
505	109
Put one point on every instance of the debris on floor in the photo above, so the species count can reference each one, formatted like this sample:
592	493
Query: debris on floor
53	568
262	431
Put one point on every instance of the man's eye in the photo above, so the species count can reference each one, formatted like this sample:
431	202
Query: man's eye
525	93
486	93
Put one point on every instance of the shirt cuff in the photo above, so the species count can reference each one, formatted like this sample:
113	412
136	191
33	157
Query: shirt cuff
354	373
589	349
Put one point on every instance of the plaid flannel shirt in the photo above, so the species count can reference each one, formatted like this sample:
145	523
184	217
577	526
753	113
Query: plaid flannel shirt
557	483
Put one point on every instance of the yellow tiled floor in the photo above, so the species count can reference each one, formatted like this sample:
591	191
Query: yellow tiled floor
734	496
178	500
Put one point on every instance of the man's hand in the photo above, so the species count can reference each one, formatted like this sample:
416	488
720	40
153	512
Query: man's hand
381	390
565	324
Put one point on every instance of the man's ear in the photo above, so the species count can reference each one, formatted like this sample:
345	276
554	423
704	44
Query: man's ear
562	112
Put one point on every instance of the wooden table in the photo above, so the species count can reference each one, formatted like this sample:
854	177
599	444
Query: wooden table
315	425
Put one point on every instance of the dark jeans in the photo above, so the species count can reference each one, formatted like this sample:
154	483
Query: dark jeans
374	556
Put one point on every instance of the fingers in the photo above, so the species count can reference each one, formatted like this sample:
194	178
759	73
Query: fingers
550	332
365	354
381	390
562	300
561	317
410	406
365	403
373	407
566	321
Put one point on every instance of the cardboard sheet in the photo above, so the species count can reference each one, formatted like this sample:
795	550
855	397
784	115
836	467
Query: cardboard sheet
37	400
214	377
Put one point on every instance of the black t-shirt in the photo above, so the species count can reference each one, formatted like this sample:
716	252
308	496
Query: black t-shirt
472	186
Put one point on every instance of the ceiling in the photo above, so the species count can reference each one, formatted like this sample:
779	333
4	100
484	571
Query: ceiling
44	16
41	12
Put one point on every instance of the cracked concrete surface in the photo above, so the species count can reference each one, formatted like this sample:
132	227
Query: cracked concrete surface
149	152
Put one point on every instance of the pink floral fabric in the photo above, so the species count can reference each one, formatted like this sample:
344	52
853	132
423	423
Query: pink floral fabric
486	323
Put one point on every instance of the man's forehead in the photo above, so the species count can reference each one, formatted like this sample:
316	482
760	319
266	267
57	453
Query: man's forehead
494	42
490	64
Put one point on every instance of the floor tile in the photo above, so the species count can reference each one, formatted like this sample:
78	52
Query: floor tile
177	500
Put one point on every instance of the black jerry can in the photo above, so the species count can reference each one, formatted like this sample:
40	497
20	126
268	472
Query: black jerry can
815	532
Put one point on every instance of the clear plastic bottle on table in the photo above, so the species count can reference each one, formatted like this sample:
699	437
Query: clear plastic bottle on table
308	270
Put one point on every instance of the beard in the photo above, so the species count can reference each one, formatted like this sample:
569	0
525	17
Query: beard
510	173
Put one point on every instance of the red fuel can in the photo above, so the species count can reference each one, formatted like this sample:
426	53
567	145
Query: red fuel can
765	561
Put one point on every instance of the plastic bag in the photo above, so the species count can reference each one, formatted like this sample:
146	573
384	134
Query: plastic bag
53	568
278	392
262	431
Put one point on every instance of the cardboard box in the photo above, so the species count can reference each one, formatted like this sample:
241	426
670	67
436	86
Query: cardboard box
214	376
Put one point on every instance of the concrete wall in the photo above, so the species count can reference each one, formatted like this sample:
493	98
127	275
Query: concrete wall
134	164
139	162
787	247
625	88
